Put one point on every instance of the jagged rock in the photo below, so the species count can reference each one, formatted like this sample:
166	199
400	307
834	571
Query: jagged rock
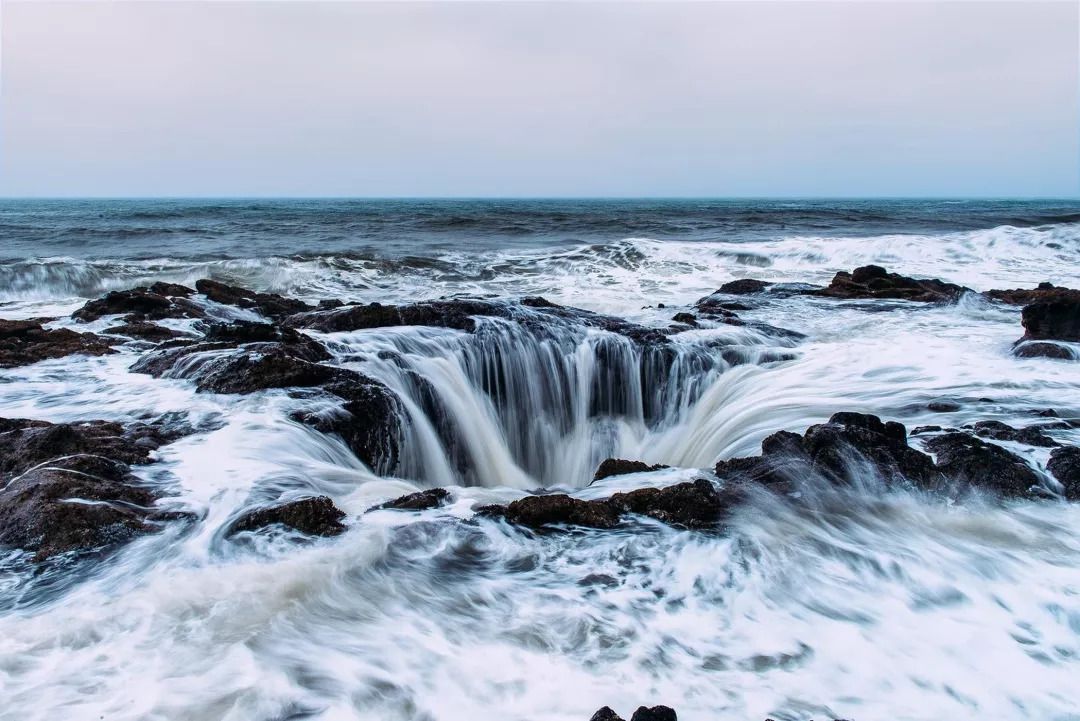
655	713
160	300
697	504
744	286
974	461
606	714
998	431
23	342
1064	465
835	450
619	467
270	305
1043	349
1023	296
419	501
1057	319
460	314
143	330
873	281
68	487
314	516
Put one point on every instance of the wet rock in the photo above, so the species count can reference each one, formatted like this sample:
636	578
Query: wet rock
943	406
313	516
998	431
620	467
419	501
270	305
606	714
840	450
1023	296
1057	319
1043	349
873	281
971	460
1064	465
535	314
744	286
143	330
158	301
23	342
685	318
68	487
655	713
698	504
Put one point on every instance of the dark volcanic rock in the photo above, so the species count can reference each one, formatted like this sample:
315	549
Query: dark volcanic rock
1043	349
270	305
536	314
619	467
656	713
844	447
1023	296
161	300
1057	319
974	461
943	406
873	281
744	286
1064	465
687	318
23	342
68	487
313	516
606	714
999	431
419	501
697	504
143	330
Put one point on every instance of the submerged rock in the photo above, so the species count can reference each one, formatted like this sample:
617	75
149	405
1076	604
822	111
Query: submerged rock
23	342
697	504
419	501
999	431
313	516
1064	465
620	467
744	286
873	281
270	305
986	465
1043	349
68	487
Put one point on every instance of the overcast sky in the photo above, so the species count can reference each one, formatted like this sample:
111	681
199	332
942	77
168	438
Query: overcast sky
540	99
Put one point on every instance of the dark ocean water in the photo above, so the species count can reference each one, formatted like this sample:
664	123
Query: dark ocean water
218	229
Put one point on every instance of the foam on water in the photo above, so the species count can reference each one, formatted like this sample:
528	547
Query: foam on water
872	604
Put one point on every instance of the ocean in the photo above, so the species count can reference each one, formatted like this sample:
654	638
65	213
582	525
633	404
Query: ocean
877	602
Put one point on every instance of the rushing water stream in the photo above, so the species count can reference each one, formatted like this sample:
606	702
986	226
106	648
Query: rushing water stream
873	604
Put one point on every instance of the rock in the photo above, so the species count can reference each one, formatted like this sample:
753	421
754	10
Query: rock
419	501
68	487
695	505
313	516
620	467
686	318
974	461
838	450
744	286
270	305
535	314
161	300
1043	349
1064	465
606	714
656	713
23	342
143	330
1044	292
999	431
943	406
873	281
1052	319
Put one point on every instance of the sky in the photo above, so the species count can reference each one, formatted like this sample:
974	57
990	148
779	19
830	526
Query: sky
540	99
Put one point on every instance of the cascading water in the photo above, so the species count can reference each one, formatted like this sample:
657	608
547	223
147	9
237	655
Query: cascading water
877	603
